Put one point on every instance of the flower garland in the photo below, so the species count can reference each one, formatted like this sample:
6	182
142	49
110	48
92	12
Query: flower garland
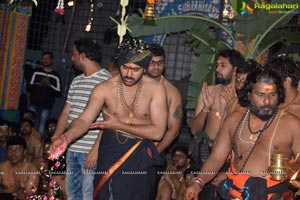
60	7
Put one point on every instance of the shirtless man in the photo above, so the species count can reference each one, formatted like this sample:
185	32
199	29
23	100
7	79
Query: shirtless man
212	101
171	180
155	71
18	177
34	145
134	108
28	114
254	136
289	71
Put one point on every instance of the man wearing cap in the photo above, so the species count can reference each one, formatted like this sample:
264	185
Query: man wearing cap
135	114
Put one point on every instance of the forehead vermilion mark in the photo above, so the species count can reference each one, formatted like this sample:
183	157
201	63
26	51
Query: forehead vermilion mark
130	67
268	88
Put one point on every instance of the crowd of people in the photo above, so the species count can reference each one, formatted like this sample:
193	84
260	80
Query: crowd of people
120	122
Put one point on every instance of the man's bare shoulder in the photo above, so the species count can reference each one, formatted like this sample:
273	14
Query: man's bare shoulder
35	141
289	118
294	107
214	87
36	134
235	117
107	84
30	167
4	165
151	83
171	89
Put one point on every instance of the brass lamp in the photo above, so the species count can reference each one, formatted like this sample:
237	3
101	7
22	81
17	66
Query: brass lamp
149	11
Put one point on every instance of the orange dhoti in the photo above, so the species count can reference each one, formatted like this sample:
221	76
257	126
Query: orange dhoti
242	186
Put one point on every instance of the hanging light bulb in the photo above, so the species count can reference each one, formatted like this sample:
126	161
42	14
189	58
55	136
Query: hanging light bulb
89	25
149	11
70	3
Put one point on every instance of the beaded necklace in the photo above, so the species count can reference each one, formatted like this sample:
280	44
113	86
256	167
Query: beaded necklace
131	109
253	140
254	134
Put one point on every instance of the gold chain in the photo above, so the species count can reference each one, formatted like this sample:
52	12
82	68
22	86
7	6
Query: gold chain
121	142
132	107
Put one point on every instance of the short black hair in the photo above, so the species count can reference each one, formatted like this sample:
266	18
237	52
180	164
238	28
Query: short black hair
157	50
248	66
90	47
182	148
16	140
235	57
285	67
48	53
28	111
50	121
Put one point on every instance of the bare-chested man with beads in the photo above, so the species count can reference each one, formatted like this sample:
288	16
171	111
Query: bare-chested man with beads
254	136
212	100
135	114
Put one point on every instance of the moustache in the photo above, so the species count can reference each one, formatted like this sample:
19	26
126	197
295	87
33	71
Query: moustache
175	161
126	77
267	107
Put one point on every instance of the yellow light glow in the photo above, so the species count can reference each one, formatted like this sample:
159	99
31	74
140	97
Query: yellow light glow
71	3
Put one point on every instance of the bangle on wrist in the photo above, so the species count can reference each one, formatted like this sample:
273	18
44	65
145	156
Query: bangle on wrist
206	110
199	181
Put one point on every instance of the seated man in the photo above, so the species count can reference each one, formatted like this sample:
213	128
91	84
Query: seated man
170	182
30	115
18	177
254	135
34	145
